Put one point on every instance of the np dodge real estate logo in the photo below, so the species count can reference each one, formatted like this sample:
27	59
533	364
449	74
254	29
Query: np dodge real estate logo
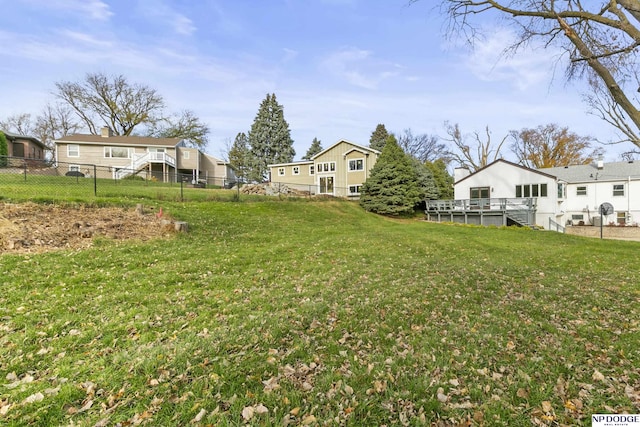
610	420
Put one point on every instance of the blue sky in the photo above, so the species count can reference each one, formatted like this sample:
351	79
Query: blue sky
339	67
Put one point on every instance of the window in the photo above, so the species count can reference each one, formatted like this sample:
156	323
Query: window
74	168
621	218
312	169
119	152
73	150
326	185
561	190
186	155
356	165
296	170
326	167
531	190
480	193
577	217
355	189
280	171
581	190
618	189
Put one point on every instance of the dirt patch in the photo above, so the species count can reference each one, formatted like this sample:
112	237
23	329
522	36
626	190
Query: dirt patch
31	227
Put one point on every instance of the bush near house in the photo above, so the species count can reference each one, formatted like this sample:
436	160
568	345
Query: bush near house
4	150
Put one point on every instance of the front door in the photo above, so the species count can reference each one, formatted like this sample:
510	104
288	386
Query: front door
480	197
326	185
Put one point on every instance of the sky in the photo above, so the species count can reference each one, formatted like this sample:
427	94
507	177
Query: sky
338	67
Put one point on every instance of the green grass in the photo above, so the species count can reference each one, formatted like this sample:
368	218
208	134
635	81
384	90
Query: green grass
315	312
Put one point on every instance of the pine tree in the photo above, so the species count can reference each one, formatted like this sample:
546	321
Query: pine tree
442	179
378	137
4	150
269	138
392	187
240	157
426	183
315	148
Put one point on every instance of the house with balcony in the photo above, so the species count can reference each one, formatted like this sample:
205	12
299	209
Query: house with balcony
339	170
118	157
505	193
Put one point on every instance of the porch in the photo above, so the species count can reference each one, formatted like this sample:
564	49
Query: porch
503	211
156	162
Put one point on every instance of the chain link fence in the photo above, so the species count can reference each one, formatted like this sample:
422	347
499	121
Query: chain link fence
77	179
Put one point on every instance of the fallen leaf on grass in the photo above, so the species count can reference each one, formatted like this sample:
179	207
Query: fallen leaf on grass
4	408
546	406
199	417
309	419
37	397
597	376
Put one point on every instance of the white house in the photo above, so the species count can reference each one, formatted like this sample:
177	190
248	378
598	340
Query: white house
505	193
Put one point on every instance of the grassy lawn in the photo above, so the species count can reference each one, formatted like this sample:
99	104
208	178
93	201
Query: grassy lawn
301	312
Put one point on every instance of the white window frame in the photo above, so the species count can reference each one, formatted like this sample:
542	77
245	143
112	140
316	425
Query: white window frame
281	171
355	189
75	153
312	169
326	186
581	190
186	155
618	190
355	162
326	167
74	168
109	150
296	170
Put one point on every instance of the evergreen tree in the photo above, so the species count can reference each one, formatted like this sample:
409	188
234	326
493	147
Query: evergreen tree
392	187
426	183
4	150
239	156
378	137
269	138
442	179
315	148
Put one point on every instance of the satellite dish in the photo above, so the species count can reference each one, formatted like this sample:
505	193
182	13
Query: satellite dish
606	209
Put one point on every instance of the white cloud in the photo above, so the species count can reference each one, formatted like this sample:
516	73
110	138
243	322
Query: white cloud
161	10
530	66
358	67
94	9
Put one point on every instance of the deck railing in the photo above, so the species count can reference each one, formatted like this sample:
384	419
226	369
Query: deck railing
498	204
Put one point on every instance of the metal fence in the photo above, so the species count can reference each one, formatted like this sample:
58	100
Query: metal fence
298	189
60	178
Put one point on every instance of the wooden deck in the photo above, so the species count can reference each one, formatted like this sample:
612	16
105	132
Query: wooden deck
517	211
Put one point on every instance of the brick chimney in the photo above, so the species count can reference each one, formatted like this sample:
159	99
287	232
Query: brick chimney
106	132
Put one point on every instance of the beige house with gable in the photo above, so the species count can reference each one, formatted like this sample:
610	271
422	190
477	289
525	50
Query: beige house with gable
340	170
118	157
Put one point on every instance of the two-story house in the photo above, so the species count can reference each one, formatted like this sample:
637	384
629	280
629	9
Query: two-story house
117	157
340	170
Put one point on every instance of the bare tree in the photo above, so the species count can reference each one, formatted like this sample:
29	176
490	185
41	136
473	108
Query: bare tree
551	145
423	147
54	122
20	124
185	125
114	102
600	37
476	154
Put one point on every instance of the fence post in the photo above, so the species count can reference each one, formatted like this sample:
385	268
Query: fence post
95	180
181	191
25	171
